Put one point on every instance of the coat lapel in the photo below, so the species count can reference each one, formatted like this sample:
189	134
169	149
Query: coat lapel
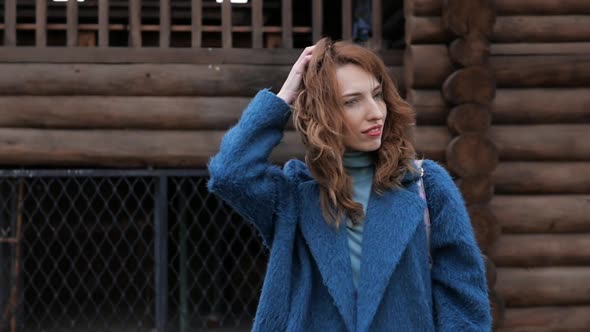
329	248
391	221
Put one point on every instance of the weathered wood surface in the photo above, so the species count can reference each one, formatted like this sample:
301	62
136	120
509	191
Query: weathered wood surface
542	213
474	84
541	7
570	28
135	23
469	118
540	48
10	23
542	142
41	21
425	30
542	250
471	155
476	189
542	178
547	319
423	7
544	286
145	79
469	51
515	106
464	17
165	21
197	22
141	148
78	112
426	66
103	23
485	226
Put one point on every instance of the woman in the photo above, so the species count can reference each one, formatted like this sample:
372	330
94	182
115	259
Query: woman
348	247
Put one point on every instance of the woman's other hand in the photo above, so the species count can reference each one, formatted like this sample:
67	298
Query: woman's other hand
292	84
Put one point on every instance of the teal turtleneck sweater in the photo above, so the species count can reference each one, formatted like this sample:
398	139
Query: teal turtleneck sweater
359	165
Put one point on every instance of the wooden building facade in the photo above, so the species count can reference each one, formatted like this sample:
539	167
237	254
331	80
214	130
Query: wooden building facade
501	89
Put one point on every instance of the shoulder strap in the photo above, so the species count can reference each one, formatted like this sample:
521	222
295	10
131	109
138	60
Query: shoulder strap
426	213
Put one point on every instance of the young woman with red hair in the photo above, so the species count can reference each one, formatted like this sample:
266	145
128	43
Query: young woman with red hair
349	249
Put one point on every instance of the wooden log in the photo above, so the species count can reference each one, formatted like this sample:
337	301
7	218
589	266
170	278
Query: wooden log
431	141
425	30
470	50
522	287
463	17
542	250
72	23
138	148
471	155
498	309
542	214
257	22
287	23
317	20
485	226
542	142
532	106
540	48
135	23
423	7
542	178
80	112
226	24
512	29
465	118
536	71
426	66
470	85
148	79
476	189
9	23
41	21
542	7
429	106
547	319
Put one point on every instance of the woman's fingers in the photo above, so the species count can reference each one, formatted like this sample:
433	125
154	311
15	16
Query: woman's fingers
293	82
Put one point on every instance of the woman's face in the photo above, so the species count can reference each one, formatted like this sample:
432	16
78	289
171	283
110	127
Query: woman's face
364	108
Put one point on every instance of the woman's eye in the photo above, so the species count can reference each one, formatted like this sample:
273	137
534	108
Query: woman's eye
350	102
378	95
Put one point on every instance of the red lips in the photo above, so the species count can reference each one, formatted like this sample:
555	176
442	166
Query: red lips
374	131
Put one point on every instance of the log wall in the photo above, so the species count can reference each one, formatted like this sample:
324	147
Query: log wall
527	87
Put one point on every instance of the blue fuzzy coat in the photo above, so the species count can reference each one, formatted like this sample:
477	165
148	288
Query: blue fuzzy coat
308	284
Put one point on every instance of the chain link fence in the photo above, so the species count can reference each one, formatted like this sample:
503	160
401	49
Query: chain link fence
133	250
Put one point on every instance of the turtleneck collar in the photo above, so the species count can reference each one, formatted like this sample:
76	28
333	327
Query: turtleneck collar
357	159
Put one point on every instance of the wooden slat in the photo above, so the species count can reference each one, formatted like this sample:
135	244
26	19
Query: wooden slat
542	178
103	23
524	287
226	24
287	23
347	19
135	23
116	55
528	214
257	24
377	22
542	142
165	23
317	13
10	23
196	22
520	250
570	28
92	112
72	22
144	79
41	22
546	319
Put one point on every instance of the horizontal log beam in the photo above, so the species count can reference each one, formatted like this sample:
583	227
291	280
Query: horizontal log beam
524	287
429	106
541	250
425	30
540	48
512	29
145	79
507	7
542	213
542	178
149	148
426	66
198	56
79	112
546	319
542	142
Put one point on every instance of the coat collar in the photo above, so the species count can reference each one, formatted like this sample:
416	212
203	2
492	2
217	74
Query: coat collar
392	219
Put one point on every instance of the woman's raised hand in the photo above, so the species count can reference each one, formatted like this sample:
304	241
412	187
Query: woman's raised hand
292	84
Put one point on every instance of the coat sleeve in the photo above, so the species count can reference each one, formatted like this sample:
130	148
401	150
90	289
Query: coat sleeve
240	173
459	284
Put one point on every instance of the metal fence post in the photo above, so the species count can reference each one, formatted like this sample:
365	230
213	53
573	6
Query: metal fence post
161	252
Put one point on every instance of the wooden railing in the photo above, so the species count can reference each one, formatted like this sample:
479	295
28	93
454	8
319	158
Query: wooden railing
96	33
